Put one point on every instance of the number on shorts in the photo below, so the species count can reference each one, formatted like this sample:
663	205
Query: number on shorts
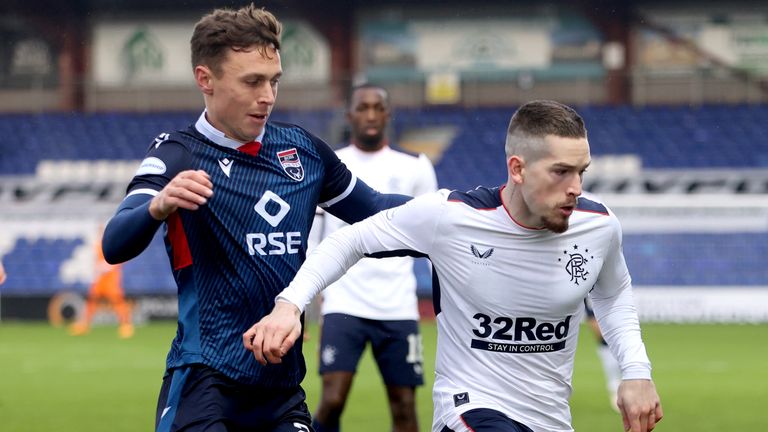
415	349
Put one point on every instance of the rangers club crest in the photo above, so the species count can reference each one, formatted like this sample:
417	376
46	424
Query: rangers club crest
575	264
289	159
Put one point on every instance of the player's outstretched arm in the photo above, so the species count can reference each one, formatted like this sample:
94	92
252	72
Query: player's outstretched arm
271	338
640	405
187	190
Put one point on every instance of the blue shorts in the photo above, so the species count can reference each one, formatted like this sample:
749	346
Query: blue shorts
198	398
396	347
488	420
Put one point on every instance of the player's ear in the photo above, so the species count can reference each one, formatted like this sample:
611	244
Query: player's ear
204	79
515	168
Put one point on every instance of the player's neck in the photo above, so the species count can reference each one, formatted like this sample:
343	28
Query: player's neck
370	147
512	199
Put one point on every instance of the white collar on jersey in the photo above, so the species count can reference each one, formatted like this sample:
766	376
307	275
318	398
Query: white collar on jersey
206	128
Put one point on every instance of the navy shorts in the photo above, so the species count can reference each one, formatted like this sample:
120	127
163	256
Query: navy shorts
488	420
396	347
198	398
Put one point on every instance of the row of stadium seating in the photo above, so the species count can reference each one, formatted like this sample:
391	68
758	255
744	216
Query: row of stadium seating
26	139
663	137
655	259
44	266
47	257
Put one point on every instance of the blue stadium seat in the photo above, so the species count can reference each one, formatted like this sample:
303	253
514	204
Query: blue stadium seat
34	266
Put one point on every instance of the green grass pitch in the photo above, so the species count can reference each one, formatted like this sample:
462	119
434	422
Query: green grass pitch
710	378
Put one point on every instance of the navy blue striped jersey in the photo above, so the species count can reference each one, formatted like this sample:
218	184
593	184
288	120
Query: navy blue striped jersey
232	256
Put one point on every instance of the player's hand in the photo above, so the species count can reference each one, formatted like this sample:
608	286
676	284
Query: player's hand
640	405
272	337
188	190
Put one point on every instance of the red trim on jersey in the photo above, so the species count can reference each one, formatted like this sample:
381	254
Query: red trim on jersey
501	198
182	257
469	428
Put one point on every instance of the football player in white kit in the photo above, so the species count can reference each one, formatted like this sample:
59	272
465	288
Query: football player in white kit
375	302
513	265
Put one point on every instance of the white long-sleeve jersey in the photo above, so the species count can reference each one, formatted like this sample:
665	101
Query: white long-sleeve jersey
372	288
509	299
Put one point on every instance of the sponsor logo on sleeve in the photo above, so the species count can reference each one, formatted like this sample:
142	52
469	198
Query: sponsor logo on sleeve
151	166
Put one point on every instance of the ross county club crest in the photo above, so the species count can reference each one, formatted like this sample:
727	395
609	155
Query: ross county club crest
289	160
574	265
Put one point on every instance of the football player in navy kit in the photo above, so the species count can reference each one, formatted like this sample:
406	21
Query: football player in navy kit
512	267
237	195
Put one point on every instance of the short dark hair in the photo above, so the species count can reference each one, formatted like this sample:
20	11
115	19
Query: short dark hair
239	30
537	119
363	86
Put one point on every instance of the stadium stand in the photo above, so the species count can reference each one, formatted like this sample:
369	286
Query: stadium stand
86	146
663	137
698	259
37	265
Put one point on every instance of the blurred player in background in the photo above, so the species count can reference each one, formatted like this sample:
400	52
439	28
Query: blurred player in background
375	302
513	266
237	195
107	286
3	275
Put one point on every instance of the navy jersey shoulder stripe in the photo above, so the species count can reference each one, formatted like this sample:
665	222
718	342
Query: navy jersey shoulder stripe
479	198
587	205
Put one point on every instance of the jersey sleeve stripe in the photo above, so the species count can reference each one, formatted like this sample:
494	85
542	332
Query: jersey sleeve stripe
182	256
142	191
341	196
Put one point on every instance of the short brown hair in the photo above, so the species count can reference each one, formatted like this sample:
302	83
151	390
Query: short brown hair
536	119
225	29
